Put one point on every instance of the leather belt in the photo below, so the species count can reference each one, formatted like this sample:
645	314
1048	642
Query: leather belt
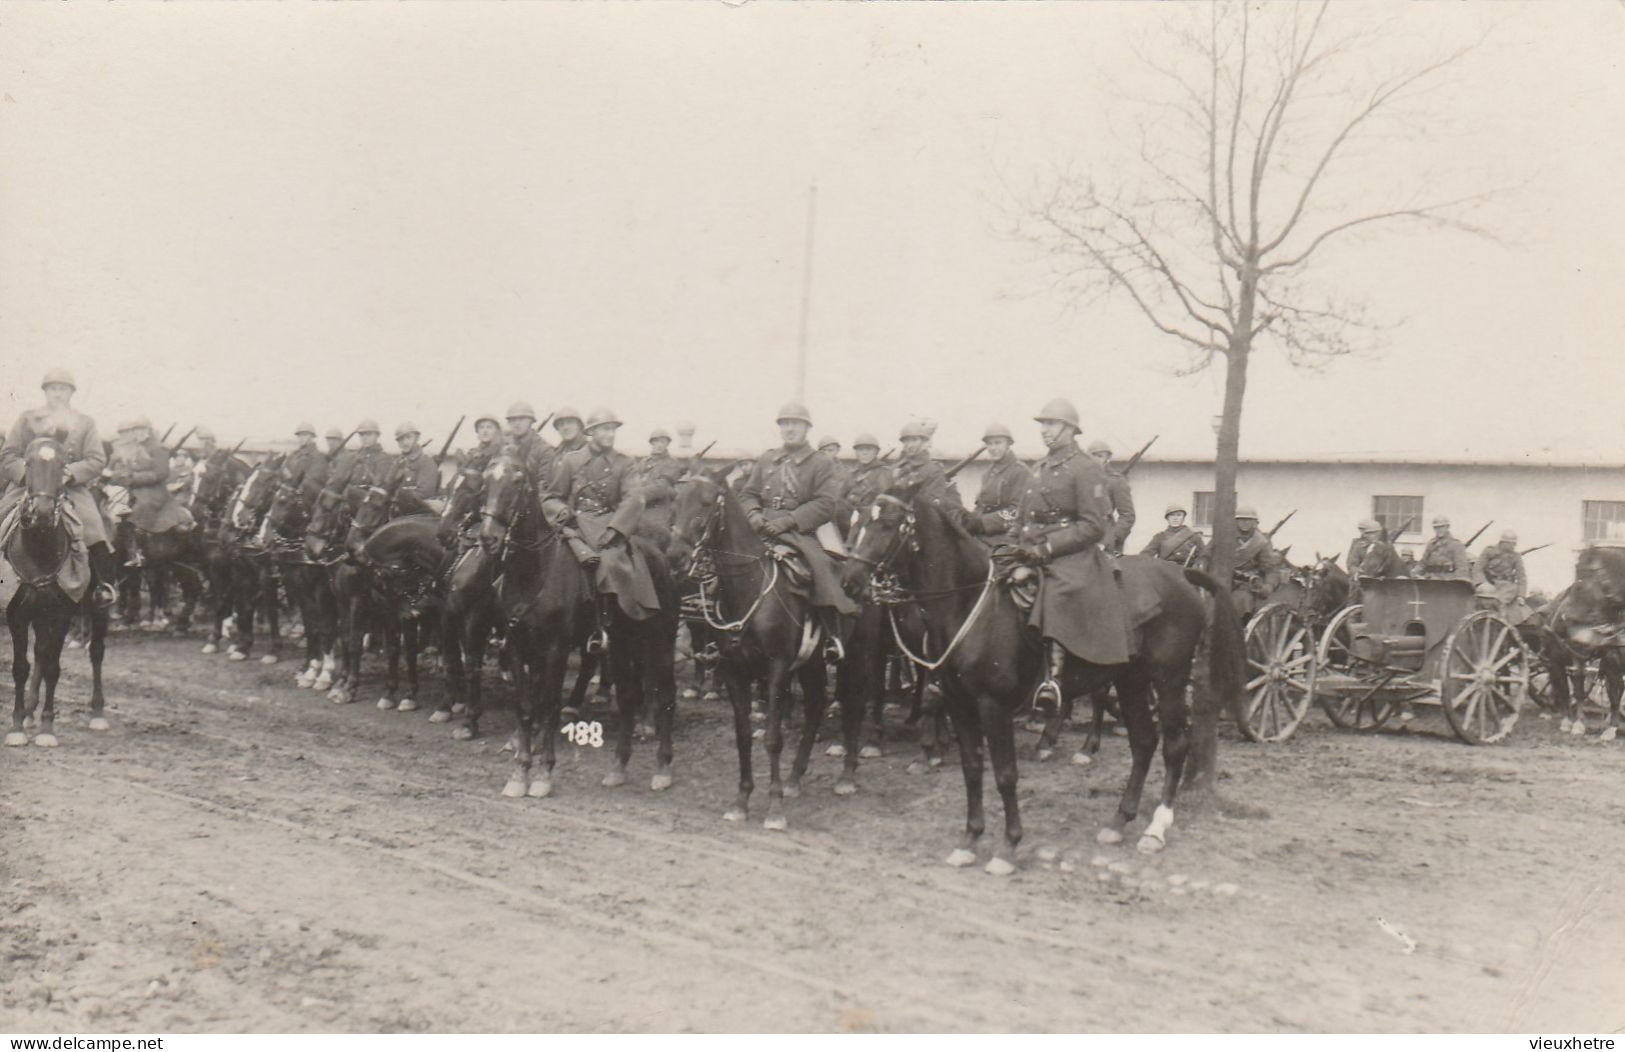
1053	520
591	507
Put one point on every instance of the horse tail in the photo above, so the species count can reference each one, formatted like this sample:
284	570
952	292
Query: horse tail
1227	646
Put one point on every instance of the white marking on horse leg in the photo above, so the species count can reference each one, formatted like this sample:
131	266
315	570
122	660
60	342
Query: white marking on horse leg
1109	836
961	856
1155	837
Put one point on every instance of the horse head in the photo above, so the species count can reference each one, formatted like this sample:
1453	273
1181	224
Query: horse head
327	517
1594	608
1327	586
697	515
463	500
45	476
887	537
509	497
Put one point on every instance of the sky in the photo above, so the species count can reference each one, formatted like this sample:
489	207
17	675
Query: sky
250	215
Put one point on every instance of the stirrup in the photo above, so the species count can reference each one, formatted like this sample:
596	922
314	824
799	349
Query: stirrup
1047	698
103	595
834	650
598	642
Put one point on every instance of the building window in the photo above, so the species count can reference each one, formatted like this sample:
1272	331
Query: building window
1398	513
1202	510
1603	520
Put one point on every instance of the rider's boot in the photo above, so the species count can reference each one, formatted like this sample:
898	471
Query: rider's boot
104	571
1047	698
598	642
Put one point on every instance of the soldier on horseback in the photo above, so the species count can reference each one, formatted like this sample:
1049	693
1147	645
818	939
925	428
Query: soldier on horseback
1178	543
658	474
86	458
866	480
1259	567
567	423
366	465
140	464
335	442
791	492
998	502
306	465
917	468
529	446
488	436
593	499
1060	527
1445	556
1501	566
420	475
1118	498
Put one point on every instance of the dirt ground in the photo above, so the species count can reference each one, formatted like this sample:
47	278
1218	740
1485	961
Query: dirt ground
239	855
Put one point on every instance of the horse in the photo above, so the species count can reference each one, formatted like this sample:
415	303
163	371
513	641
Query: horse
988	662
548	603
1587	620
252	575
308	582
764	623
216	482
38	546
329	523
470	603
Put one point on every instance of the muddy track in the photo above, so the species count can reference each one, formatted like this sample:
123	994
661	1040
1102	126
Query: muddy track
238	854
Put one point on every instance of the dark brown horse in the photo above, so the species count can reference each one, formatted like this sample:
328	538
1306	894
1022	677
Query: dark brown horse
761	619
253	577
1586	622
216	481
308	582
470	603
548	605
989	663
38	545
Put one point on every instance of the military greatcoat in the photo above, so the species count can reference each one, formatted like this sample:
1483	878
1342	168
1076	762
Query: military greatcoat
999	500
597	491
143	469
798	488
85	455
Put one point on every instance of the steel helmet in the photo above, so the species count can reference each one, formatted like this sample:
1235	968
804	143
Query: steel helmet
307	429
368	425
793	411
660	432
563	413
914	429
142	421
1510	535
997	431
334	432
1059	409
58	376
519	409
828	440
492	417
1175	508
1099	445
129	423
601	417
1441	520
202	433
1370	526
407	428
1247	511
866	439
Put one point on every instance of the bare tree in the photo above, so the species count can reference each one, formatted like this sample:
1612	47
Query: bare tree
1256	155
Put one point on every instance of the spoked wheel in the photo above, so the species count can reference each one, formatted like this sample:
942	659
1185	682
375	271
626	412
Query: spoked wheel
1352	691
1484	678
1280	673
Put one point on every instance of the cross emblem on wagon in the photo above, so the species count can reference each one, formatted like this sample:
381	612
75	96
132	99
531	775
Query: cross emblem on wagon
1416	606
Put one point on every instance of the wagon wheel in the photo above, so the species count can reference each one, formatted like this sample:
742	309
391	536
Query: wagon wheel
1280	673
1363	706
1483	678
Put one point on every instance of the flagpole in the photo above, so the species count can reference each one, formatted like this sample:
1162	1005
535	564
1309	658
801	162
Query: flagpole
806	295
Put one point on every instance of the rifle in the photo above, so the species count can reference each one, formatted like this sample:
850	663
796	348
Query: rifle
1284	520
1468	543
1536	548
454	429
887	455
1135	459
170	430
176	447
1393	535
545	421
235	449
701	454
963	464
346	441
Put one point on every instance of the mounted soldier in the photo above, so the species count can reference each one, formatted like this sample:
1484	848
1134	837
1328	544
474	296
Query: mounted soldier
658	475
140	464
830	446
915	467
420	475
792	491
1501	566
1060	527
532	449
593	500
488	435
86	457
1178	543
866	480
998	502
306	467
1258	566
1370	536
367	465
335	442
1445	556
1118	497
567	425
207	446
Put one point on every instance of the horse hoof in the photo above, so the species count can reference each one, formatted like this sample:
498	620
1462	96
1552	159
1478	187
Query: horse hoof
758	717
458	709
304	680
462	734
647	730
776	823
661	781
541	787
711	695
99	723
734	815
341	697
269	659
323	682
916	768
407	705
45	741
1108	836
1578	729
385	704
689	693
16	738
998	867
1044	754
1150	845
792	791
511	745
1564	724
960	857
1082	759
845	787
870	752
210	648
759	733
440	716
236	655
1608	735
837	750
935	761
614	780
515	788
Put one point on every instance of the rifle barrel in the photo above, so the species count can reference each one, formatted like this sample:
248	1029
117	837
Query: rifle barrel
1469	542
1135	459
957	468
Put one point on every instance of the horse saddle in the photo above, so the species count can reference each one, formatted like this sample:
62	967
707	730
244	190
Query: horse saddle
792	564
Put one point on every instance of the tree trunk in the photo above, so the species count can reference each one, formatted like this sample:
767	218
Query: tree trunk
1203	766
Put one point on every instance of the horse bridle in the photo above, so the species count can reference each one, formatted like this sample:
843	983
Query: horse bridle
907	534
